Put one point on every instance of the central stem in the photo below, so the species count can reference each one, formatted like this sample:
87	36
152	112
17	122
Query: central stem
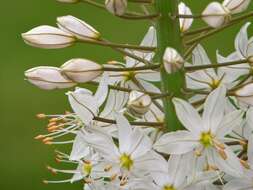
168	35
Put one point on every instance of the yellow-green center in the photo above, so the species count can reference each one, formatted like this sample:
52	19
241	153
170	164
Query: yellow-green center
126	161
206	139
167	187
215	84
129	75
87	168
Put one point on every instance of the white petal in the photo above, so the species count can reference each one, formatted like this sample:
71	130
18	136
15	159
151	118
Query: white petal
188	115
214	108
229	122
239	184
250	150
236	6
241	41
79	148
102	90
178	142
125	131
185	23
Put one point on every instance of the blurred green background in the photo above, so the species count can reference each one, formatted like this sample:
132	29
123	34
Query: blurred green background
23	160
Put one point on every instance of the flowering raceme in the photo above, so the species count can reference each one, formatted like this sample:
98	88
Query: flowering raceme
166	117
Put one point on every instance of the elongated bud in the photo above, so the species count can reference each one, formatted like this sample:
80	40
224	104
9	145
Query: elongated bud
77	27
116	7
245	94
138	103
172	60
236	6
48	78
185	23
81	70
48	37
215	15
68	1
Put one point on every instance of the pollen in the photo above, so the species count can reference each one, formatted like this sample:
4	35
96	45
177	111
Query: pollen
206	139
87	168
126	161
168	187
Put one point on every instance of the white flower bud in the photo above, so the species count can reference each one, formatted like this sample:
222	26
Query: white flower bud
48	37
185	23
68	1
138	103
77	27
81	70
172	60
245	94
215	15
48	78
116	7
236	6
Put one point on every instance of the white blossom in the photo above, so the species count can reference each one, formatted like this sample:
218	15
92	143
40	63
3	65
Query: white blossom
172	60
185	23
116	7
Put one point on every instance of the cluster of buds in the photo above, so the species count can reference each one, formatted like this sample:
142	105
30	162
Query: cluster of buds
216	14
69	74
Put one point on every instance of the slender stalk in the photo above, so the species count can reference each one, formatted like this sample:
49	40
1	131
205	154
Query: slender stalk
118	45
139	17
200	67
141	1
140	68
168	34
148	124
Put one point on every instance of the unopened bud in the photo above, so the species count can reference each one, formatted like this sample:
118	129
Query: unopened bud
138	103
245	94
48	37
77	27
236	6
172	60
185	23
81	70
48	78
215	15
116	7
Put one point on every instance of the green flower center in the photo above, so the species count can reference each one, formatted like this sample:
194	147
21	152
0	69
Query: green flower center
206	139
167	187
129	75
126	161
87	168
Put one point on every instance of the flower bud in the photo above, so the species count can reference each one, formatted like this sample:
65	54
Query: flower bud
116	7
185	23
215	15
236	6
48	37
245	94
81	70
48	78
68	1
172	60
77	27
138	103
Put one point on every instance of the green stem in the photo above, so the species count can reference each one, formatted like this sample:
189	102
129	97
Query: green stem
168	35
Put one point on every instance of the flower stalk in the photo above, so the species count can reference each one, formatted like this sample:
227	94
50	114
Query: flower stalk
168	35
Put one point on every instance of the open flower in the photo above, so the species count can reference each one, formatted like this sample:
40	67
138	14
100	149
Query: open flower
206	135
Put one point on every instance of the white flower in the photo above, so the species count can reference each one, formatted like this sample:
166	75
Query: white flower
138	103
185	23
48	37
236	6
81	70
48	78
216	14
77	27
116	7
133	151
172	60
173	175
205	136
85	104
